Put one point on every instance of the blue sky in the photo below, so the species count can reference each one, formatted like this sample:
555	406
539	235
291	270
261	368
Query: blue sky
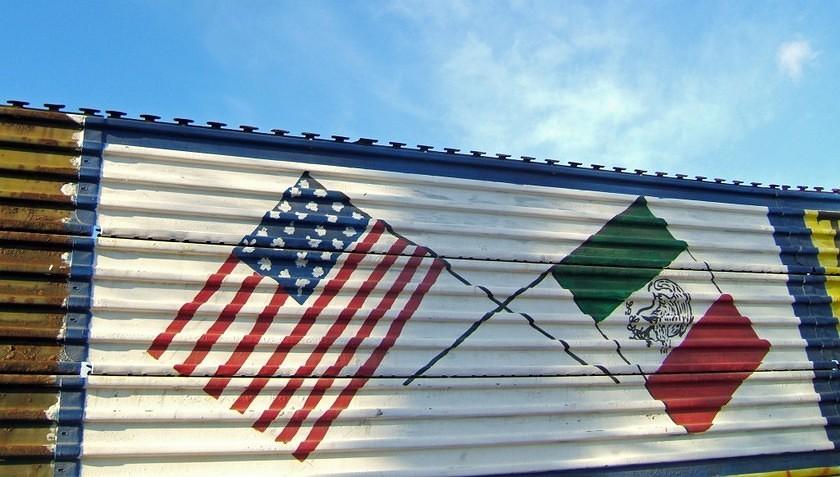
741	90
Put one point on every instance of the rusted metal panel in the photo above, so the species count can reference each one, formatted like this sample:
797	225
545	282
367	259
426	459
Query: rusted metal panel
37	190
21	160
34	422
45	264
37	116
42	188
34	218
40	128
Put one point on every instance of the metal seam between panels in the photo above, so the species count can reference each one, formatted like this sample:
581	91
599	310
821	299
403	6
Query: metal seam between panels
73	396
817	321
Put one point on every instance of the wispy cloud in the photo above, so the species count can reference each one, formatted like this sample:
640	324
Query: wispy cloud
792	56
594	84
664	87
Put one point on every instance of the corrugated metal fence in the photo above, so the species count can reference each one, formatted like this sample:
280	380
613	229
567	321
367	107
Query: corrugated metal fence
46	257
267	303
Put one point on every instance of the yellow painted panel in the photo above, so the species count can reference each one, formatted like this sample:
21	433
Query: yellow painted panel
39	162
822	236
812	472
19	133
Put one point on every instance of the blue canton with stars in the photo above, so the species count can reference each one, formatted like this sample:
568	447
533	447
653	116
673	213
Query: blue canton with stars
299	240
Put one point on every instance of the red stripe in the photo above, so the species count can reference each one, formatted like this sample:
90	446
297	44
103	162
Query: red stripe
308	319
187	311
349	350
246	346
208	339
322	425
333	333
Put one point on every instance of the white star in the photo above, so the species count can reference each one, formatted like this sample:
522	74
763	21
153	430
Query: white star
320	230
301	215
312	206
289	229
300	283
295	191
332	218
284	273
349	231
246	242
337	243
358	216
278	242
337	206
320	193
317	272
326	256
301	260
265	263
274	214
284	206
313	242
263	232
304	183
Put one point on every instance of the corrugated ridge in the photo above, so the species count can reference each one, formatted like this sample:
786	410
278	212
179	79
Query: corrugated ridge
47	202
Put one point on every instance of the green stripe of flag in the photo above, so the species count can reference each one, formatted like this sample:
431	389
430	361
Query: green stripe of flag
634	239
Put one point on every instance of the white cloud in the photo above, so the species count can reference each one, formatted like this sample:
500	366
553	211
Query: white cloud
596	85
606	83
792	56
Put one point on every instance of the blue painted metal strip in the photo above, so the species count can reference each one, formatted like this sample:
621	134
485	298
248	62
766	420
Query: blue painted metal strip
68	446
81	222
72	393
196	139
812	305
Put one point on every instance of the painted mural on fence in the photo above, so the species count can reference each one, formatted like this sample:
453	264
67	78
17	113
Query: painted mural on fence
313	248
252	305
316	318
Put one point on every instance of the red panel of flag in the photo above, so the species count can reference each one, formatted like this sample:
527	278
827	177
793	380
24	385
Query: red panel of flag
722	340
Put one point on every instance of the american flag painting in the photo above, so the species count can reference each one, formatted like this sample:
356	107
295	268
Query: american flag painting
312	251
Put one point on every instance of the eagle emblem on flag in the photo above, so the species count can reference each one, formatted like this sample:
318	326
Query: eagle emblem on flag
627	262
621	280
668	316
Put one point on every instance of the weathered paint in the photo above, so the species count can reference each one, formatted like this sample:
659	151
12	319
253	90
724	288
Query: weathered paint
31	324
40	128
37	190
14	159
35	219
43	271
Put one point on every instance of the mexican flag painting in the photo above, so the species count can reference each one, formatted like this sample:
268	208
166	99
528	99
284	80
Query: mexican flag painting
636	299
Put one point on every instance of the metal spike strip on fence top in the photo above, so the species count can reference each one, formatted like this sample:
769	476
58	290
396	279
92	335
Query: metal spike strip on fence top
115	114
